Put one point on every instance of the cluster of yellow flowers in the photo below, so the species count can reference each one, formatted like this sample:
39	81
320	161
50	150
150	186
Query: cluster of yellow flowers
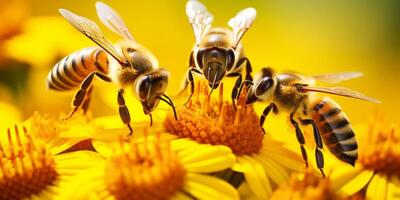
211	152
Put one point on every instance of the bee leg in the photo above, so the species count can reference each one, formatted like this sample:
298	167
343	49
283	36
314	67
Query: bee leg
235	89
81	94
190	81
249	69
300	138
123	111
266	111
318	141
86	101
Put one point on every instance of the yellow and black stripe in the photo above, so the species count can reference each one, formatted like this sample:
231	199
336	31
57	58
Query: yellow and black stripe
335	129
69	73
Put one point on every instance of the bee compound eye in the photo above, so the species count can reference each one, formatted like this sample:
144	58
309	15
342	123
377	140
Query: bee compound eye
144	87
263	86
130	50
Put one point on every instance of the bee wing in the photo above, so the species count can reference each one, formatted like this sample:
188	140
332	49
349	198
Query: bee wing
241	23
199	18
341	91
92	31
110	18
338	77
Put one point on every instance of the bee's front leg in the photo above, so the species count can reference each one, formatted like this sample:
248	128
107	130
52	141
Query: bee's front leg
124	112
235	90
266	111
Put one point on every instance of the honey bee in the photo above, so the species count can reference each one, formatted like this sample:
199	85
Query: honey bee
218	52
125	64
293	93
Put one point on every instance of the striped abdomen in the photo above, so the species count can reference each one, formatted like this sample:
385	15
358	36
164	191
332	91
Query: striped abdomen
335	129
70	72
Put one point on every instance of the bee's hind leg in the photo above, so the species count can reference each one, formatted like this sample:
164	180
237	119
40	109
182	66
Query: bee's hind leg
300	138
124	112
82	93
86	101
318	141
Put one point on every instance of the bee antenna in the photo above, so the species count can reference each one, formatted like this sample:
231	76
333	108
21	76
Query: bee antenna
170	103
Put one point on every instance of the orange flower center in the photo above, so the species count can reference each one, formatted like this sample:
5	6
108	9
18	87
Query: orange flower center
381	151
217	122
144	171
308	186
26	168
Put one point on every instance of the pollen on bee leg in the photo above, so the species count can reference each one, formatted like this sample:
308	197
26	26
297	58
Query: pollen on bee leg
26	168
217	122
144	170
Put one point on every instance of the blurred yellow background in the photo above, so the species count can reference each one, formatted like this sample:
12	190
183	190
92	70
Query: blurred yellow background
311	37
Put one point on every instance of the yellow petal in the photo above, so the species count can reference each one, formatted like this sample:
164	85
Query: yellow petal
255	177
273	170
209	187
103	148
284	157
88	184
212	164
352	180
182	143
203	152
393	190
69	164
181	196
377	188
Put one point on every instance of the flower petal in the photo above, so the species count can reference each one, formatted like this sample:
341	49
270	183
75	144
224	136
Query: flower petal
69	164
209	187
255	177
284	156
352	180
181	196
203	152
207	159
393	190
182	143
275	171
377	188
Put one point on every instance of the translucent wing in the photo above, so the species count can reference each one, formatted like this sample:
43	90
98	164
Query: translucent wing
337	78
341	91
112	20
200	19
92	31
241	23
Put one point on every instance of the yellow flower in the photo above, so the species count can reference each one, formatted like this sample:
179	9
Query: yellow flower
307	186
60	137
151	167
264	162
29	169
378	169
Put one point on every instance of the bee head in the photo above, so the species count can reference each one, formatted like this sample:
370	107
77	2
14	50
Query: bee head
263	86
214	62
150	88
